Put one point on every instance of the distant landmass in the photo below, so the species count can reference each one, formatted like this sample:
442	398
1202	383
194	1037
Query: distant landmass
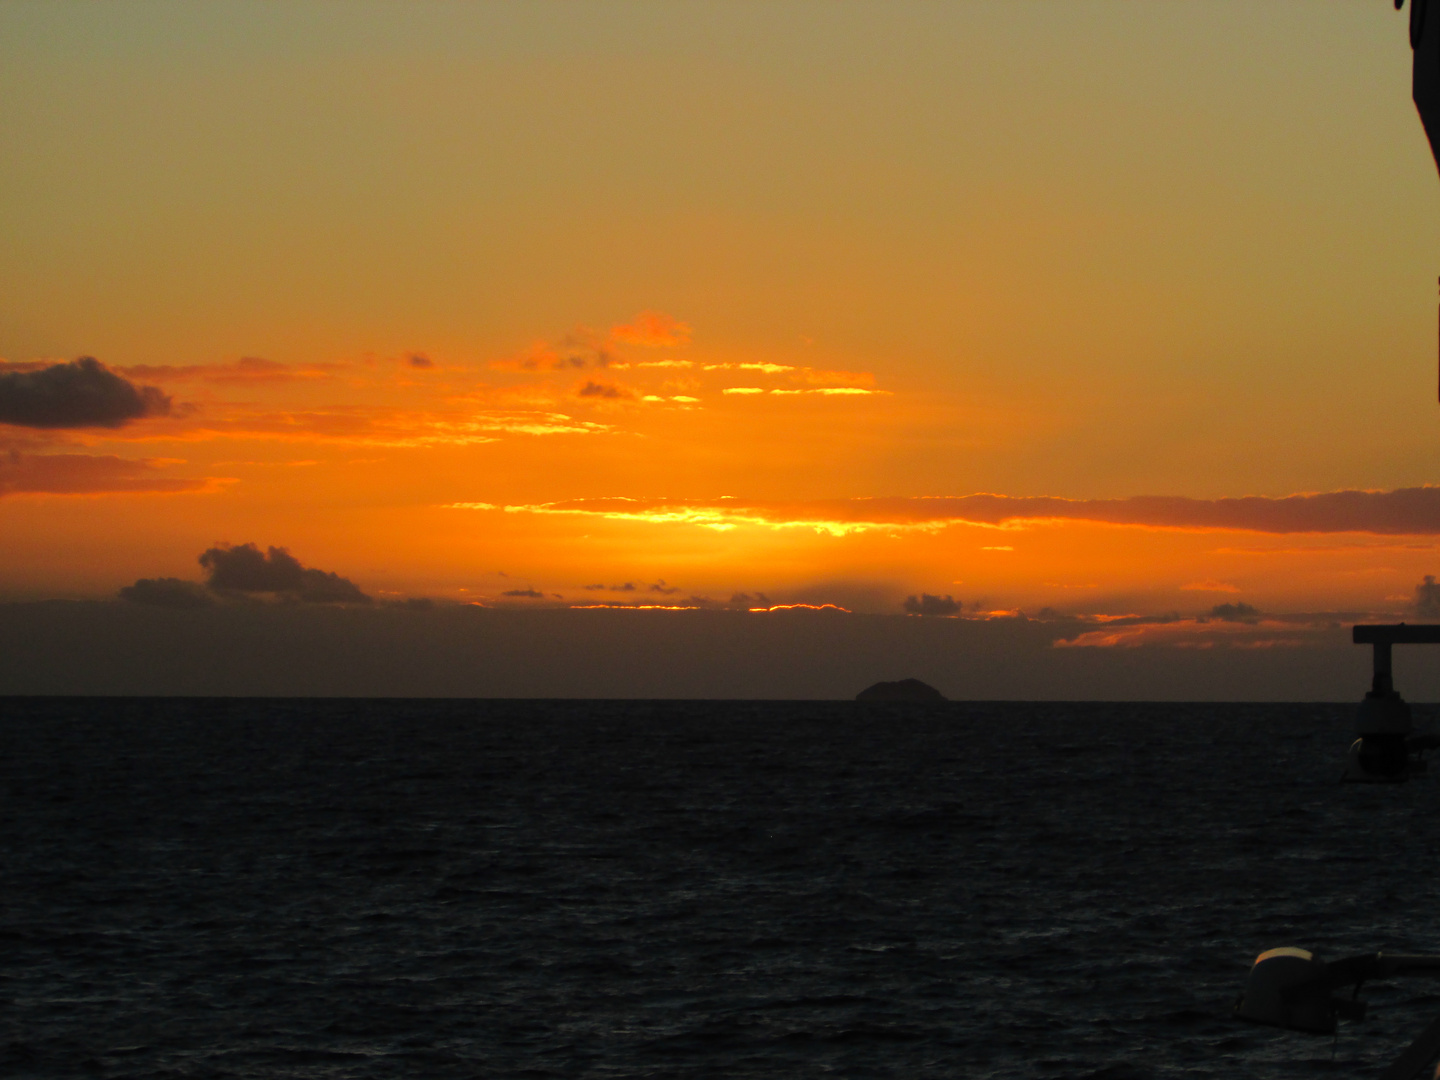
904	690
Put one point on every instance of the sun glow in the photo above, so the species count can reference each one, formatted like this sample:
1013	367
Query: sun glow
480	319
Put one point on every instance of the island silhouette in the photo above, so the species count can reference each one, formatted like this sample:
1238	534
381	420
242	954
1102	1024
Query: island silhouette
903	690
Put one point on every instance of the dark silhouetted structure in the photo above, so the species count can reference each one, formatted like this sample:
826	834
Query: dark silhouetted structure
1387	738
1425	79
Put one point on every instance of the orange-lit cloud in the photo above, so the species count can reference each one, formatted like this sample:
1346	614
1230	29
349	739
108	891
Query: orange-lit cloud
652	329
578	350
1406	511
634	607
1210	586
1202	634
586	350
827	390
843	378
765	369
87	474
707	516
248	370
368	426
803	607
844	382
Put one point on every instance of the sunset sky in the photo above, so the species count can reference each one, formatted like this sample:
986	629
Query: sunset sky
728	304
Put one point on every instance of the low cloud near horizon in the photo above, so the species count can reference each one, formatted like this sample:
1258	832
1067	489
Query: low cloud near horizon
149	646
926	604
241	570
167	592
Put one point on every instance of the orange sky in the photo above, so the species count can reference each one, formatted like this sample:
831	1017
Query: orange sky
725	301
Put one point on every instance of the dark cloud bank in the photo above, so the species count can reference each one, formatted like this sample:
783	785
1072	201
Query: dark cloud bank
926	604
1427	598
462	651
243	570
1241	613
167	592
83	393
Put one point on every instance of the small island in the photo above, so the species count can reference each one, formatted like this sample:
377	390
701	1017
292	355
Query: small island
904	690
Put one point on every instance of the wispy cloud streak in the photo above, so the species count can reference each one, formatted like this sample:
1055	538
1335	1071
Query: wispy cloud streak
1403	512
367	426
93	474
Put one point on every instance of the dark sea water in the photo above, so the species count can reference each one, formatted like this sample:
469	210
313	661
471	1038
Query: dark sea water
251	888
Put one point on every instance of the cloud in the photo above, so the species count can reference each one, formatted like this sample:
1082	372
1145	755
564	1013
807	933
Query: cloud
1427	598
83	393
833	391
661	587
634	607
845	378
246	370
652	329
1403	512
244	569
376	426
845	381
1235	613
601	390
529	594
167	592
803	607
766	368
413	603
579	349
1189	635
419	360
537	650
925	604
590	351
93	474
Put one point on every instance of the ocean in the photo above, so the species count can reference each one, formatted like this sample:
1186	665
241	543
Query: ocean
449	888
